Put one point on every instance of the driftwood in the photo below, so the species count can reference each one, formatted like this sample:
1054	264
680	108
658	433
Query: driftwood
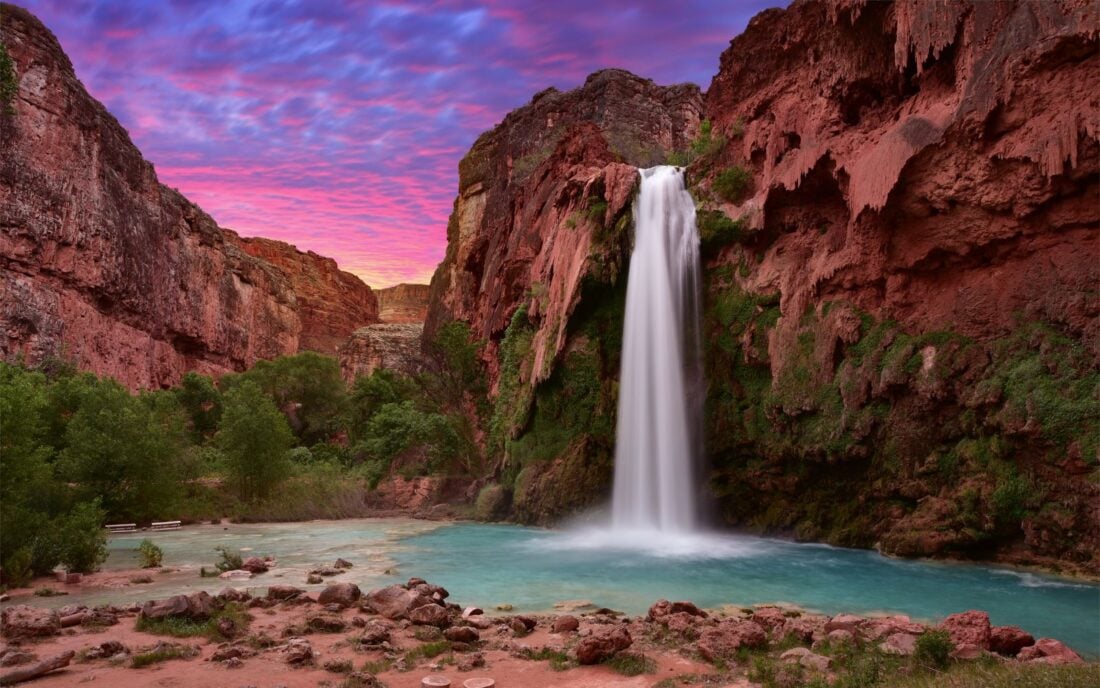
72	620
35	670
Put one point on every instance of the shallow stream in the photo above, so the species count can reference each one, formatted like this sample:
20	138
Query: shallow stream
532	569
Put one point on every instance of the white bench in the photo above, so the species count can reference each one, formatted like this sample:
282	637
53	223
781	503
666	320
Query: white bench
121	527
165	525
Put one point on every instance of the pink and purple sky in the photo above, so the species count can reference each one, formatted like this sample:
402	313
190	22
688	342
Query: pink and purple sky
338	126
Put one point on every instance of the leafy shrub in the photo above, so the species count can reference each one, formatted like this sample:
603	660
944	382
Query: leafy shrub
933	649
180	627
732	183
631	664
9	85
163	653
230	561
151	555
716	230
82	540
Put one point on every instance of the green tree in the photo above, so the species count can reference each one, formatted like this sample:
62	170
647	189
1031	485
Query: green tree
371	392
307	387
82	539
125	450
27	488
453	366
255	439
202	403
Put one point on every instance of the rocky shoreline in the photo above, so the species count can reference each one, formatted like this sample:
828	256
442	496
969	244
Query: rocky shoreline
397	635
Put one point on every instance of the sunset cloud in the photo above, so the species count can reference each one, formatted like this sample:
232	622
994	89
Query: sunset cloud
338	126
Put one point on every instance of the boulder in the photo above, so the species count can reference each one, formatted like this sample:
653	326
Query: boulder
233	595
771	618
806	658
395	602
1049	651
663	608
968	628
845	622
462	634
967	651
430	615
343	594
314	579
565	624
108	648
298	652
255	565
24	621
599	647
342	564
904	644
197	606
1009	640
374	633
723	640
325	623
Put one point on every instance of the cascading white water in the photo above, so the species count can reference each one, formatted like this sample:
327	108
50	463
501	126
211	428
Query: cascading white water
657	439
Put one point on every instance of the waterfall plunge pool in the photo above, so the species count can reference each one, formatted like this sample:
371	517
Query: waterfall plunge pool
531	569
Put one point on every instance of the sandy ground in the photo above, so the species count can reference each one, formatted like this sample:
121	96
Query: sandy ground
268	669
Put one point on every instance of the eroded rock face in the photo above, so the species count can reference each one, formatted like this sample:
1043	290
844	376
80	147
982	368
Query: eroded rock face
403	303
102	265
534	190
331	303
386	345
912	270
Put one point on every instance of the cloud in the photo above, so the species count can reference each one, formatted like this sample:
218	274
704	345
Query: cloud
338	126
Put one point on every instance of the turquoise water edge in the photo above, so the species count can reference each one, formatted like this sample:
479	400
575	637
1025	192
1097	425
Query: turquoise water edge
532	569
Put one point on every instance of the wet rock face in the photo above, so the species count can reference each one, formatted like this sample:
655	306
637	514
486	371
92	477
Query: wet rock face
403	303
386	345
331	303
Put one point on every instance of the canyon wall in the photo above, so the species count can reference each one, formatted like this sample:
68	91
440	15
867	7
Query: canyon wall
897	205
331	303
537	244
403	303
102	265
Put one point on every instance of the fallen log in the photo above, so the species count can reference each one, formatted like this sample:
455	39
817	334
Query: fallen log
37	669
72	620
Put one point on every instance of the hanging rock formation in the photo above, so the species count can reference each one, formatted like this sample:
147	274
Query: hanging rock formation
904	323
102	265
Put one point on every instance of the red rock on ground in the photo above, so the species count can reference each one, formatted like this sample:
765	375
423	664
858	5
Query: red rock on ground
968	628
601	646
1049	651
1009	640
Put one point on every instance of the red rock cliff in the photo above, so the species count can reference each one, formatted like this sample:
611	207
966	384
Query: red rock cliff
541	226
331	303
103	265
403	303
907	310
898	204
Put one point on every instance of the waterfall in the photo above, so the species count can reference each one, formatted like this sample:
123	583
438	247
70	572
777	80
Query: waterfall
659	422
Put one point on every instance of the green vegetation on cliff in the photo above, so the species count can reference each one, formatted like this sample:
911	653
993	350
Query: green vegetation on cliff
926	443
